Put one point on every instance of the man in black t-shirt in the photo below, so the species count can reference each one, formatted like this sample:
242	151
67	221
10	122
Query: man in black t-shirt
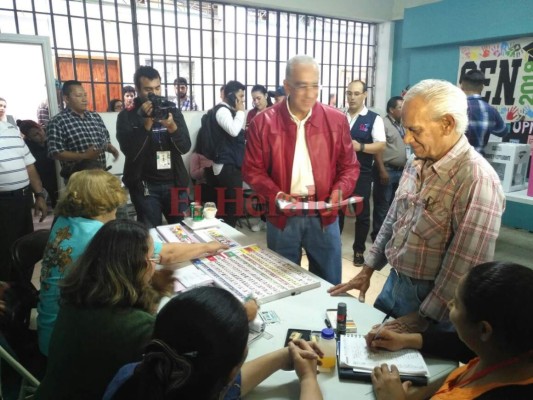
153	144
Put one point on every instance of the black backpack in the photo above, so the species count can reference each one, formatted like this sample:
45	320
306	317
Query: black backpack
209	136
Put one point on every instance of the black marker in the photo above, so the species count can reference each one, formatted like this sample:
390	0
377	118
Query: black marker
341	319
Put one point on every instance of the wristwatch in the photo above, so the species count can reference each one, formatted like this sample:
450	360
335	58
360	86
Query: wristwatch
43	193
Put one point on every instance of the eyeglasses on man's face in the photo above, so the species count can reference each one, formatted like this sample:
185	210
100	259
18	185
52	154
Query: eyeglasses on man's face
301	87
356	94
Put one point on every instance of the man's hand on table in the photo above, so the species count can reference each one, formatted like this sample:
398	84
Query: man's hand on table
360	282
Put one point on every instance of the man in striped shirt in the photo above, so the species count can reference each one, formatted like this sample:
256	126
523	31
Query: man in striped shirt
18	178
445	217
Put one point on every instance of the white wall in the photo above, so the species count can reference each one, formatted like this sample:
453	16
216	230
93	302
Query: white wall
385	47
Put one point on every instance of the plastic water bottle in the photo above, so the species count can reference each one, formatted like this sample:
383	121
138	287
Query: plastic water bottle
328	345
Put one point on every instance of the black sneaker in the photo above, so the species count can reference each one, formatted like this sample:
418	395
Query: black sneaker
358	259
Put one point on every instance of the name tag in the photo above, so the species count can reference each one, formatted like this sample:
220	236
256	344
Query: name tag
163	159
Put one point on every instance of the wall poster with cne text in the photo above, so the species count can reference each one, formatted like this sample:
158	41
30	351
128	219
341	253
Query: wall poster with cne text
508	69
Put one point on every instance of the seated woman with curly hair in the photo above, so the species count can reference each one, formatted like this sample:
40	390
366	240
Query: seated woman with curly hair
89	201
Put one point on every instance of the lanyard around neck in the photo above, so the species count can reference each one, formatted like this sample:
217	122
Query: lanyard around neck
398	127
484	372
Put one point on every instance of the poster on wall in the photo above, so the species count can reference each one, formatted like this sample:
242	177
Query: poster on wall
508	69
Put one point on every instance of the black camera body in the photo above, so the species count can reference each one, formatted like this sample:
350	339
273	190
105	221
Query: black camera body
161	107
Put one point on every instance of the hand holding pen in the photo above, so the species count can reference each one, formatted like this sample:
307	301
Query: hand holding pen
376	330
393	341
373	335
385	336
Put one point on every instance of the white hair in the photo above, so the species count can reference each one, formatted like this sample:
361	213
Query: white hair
442	98
299	60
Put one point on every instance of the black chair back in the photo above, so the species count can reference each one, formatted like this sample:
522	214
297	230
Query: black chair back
25	253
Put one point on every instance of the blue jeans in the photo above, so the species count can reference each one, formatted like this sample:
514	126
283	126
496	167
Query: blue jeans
402	295
157	201
322	245
363	188
383	196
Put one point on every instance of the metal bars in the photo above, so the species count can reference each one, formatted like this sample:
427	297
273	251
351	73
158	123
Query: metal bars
102	43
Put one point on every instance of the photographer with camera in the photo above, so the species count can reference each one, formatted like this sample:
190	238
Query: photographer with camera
153	136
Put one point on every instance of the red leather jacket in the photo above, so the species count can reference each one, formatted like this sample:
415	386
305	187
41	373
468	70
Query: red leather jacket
269	154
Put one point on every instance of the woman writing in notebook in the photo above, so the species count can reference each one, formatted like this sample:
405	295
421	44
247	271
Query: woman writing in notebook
491	311
198	350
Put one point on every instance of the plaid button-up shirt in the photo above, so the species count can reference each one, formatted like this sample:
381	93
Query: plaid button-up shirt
67	131
483	119
188	105
440	227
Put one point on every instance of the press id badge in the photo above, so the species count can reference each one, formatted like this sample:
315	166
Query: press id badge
163	159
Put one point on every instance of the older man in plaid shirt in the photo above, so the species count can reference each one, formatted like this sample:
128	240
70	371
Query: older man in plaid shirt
445	217
76	134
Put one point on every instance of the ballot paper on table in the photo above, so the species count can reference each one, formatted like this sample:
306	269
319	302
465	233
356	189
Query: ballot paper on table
354	353
285	205
190	277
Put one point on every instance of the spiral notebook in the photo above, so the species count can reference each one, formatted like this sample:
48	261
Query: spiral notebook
356	360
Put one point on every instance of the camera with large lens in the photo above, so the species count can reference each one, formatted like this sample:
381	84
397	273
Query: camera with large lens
161	107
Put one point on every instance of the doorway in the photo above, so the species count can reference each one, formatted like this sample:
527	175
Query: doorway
103	71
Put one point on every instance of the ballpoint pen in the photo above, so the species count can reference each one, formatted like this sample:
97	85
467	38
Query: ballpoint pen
381	326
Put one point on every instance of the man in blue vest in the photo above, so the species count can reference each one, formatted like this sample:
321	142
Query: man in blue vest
368	138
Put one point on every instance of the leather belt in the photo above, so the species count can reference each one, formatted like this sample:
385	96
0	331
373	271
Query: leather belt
304	199
16	193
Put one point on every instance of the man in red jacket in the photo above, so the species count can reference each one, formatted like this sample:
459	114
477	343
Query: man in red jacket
300	150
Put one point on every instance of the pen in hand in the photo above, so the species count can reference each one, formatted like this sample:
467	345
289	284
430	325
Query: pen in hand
376	335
